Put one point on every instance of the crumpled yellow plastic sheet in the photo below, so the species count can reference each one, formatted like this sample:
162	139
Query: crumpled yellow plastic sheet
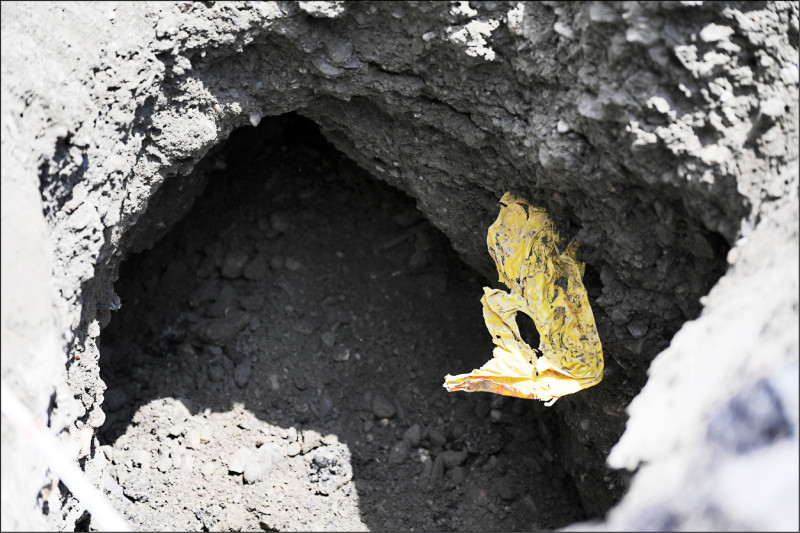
546	285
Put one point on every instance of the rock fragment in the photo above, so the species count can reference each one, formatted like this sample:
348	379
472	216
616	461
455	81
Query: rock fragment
259	465
137	488
341	353
233	264
292	264
256	269
238	460
216	373
398	452
413	436
241	373
220	331
382	408
330	468
328	339
452	458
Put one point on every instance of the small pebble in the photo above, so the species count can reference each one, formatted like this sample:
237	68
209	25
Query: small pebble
192	439
213	351
137	488
303	413
341	353
224	302
256	268
241	373
436	437
427	468
85	439
222	330
238	460
637	329
413	436
398	452
233	264
452	458
164	464
294	449
456	475
323	457
293	264
311	440
185	349
419	260
382	408
274	382
177	458
259	465
299	381
619	317
235	518
328	339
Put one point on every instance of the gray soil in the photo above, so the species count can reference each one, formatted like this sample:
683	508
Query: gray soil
279	358
243	242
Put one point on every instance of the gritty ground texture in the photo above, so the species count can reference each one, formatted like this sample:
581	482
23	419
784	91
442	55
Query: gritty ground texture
278	365
662	136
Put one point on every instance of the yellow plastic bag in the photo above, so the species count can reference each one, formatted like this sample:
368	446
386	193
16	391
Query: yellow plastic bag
545	285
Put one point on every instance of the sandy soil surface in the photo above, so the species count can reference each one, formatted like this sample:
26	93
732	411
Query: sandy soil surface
259	374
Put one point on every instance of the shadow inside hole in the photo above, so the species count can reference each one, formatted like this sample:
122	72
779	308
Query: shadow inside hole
348	330
592	282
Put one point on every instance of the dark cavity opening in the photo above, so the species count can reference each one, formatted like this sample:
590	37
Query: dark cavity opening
278	362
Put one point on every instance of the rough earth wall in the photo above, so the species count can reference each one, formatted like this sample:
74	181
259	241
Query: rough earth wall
662	136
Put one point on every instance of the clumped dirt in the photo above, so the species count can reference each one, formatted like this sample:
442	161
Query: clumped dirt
278	363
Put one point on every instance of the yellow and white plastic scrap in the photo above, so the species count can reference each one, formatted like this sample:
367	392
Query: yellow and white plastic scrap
545	285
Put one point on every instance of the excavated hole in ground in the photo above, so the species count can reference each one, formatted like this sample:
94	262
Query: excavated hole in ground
278	362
